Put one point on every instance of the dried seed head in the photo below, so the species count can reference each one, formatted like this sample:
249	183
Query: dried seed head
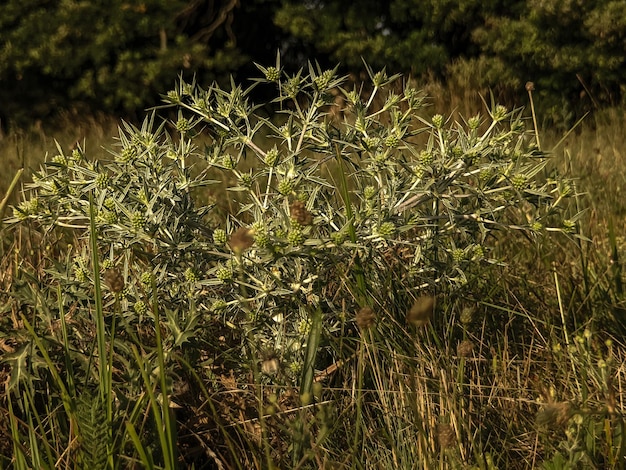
300	214
114	279
446	437
530	86
421	312
555	415
241	240
270	364
465	348
365	318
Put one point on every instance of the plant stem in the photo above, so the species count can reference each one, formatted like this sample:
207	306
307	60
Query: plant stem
345	194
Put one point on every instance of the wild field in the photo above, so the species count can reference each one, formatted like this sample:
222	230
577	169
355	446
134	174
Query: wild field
410	283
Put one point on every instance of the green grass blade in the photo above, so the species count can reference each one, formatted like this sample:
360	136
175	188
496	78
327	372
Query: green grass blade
146	459
169	430
104	367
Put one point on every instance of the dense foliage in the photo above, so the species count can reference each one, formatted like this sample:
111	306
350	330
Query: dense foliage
116	56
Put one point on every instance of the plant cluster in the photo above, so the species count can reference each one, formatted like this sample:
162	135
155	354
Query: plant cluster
338	225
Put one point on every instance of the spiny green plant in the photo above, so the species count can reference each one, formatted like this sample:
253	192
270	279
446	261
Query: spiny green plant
381	210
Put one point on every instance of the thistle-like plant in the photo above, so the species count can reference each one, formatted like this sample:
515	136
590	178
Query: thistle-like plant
374	208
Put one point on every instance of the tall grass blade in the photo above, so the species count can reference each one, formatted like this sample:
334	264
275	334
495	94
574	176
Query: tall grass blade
104	366
7	196
308	373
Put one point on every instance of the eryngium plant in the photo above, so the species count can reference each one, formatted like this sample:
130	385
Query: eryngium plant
332	210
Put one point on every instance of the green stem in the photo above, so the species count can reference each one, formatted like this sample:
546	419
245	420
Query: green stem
104	366
308	376
169	437
345	194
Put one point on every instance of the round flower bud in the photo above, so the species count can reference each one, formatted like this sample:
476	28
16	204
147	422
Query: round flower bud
569	226
262	238
146	278
140	307
109	203
479	252
138	221
304	327
187	89
536	226
182	125
338	238
190	275
386	229
458	255
518	126
80	273
467	314
245	180
107	264
392	141
369	192
285	187
33	206
109	217
438	121
322	81
485	174
223	273
474	122
128	154
271	157
285	131
456	151
519	181
60	159
499	113
371	143
76	154
419	172
295	368
426	158
381	157
219	236
228	162
272	74
102	181
295	237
